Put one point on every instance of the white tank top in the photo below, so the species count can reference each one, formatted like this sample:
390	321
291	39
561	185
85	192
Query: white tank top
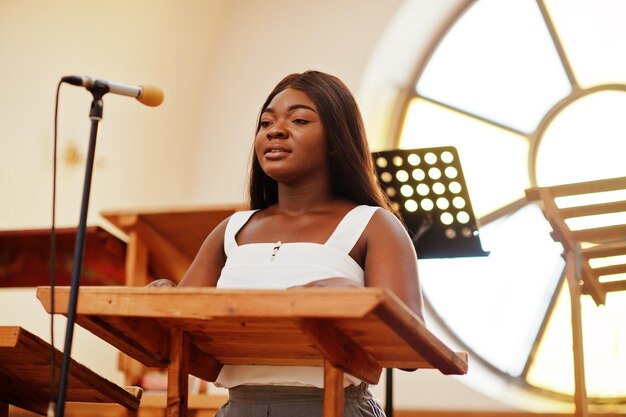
283	265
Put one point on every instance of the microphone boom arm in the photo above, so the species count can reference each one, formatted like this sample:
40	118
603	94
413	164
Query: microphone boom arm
146	94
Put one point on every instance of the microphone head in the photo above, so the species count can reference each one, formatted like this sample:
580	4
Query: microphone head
151	95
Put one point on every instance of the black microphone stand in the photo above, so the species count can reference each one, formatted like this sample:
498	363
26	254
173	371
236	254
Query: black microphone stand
98	90
389	392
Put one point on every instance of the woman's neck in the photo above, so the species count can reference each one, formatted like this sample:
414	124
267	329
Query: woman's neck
302	199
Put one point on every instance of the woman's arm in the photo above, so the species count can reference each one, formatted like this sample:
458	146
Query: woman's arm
391	261
207	266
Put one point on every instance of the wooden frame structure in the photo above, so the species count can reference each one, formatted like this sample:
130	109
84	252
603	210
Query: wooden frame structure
582	246
161	244
164	240
25	376
197	330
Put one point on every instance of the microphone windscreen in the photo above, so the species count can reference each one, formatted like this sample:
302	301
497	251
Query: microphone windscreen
151	95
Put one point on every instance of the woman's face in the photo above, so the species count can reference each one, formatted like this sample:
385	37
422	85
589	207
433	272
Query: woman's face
290	144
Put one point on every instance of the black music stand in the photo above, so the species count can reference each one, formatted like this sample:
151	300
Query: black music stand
428	188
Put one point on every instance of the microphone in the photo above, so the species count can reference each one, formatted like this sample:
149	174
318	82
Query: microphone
147	94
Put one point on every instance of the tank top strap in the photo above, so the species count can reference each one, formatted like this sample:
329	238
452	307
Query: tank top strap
350	228
235	223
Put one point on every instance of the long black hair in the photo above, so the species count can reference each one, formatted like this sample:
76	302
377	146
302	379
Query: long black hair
352	170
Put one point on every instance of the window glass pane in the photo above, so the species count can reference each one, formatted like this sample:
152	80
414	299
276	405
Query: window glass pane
553	367
494	160
497	72
499	62
592	34
496	304
604	340
585	141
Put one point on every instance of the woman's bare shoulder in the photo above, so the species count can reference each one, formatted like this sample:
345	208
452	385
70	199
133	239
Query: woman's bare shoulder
384	221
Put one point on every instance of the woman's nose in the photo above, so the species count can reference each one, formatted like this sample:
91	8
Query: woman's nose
277	131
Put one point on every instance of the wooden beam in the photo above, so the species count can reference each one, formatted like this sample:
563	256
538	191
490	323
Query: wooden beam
591	282
164	253
205	366
610	270
600	234
341	351
178	375
333	391
586	187
614	286
593	209
148	345
136	261
432	352
605	250
580	389
189	303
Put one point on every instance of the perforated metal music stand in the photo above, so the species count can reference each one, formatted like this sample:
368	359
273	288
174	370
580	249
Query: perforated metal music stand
428	188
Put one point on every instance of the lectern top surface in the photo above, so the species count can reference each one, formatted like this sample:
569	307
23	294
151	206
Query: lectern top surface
263	327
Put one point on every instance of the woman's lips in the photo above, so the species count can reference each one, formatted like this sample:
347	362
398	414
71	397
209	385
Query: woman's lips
276	153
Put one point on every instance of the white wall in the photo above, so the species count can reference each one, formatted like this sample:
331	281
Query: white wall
263	42
216	61
143	154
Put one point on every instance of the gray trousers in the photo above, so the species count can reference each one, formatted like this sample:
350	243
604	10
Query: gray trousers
286	401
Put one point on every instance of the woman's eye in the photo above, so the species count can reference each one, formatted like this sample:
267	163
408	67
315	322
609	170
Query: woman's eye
265	123
300	121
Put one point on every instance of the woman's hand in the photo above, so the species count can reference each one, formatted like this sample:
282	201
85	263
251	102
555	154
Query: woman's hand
161	283
331	282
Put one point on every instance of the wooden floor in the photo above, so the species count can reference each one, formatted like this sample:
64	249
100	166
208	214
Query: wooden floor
153	405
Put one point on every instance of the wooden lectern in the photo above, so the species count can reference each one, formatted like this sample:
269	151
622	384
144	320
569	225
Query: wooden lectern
25	376
197	330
